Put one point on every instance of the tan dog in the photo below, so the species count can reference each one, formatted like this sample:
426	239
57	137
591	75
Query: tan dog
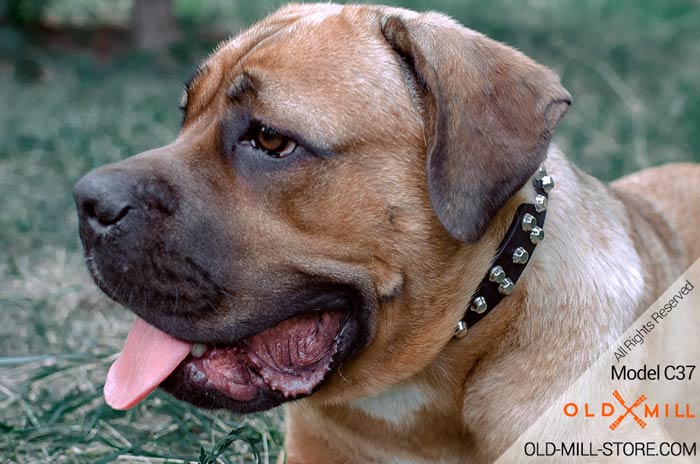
339	188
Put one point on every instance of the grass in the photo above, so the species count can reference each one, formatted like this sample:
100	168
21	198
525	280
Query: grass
632	68
58	334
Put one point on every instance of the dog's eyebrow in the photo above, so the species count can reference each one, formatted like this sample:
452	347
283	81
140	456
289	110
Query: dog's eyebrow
240	85
244	84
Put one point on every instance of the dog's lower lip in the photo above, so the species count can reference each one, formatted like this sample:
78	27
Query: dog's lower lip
261	371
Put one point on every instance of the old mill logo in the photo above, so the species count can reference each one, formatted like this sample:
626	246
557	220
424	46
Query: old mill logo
639	410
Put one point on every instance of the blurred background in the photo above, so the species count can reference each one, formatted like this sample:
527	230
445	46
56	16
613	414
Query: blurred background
87	82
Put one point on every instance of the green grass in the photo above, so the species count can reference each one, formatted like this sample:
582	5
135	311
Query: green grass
58	334
632	67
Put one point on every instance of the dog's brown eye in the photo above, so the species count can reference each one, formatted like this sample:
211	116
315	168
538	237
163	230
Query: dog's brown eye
274	143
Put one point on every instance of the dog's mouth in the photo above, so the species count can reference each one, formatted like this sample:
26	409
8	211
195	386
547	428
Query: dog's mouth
287	361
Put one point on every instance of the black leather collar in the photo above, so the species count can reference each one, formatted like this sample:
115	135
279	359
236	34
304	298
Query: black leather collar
514	252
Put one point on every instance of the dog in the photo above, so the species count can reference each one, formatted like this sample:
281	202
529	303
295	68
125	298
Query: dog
343	182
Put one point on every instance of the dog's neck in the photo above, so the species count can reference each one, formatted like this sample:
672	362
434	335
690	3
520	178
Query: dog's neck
571	301
526	231
502	351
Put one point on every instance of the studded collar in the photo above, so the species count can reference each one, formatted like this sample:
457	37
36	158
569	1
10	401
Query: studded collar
514	252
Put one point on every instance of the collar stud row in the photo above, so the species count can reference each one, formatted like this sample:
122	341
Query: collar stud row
514	252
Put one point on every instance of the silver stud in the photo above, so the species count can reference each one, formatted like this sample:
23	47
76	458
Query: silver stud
461	329
540	173
540	203
529	222
547	183
478	305
536	235
497	274
506	287
520	255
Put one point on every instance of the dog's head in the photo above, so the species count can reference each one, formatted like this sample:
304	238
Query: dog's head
332	162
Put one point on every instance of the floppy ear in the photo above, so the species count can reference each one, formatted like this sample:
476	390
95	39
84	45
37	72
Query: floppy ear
490	112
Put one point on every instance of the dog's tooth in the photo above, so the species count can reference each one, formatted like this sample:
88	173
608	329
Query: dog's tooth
198	350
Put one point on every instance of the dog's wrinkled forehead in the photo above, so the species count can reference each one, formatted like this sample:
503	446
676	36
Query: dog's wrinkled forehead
323	66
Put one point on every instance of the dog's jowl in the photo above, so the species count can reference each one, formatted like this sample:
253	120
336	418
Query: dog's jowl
363	211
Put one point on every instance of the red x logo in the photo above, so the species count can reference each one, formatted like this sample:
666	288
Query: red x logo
628	410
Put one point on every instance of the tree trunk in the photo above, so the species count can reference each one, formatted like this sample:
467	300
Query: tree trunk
153	24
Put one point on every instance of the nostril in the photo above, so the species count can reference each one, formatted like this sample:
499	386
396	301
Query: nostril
104	213
88	208
112	215
120	215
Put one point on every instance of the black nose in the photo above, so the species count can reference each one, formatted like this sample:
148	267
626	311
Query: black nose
103	198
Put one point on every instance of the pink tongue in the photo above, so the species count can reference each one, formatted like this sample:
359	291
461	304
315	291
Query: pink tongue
149	357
